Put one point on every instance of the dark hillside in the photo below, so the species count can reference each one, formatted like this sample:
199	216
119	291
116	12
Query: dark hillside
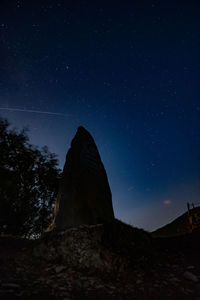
177	227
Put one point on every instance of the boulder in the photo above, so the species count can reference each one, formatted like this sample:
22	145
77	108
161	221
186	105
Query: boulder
112	247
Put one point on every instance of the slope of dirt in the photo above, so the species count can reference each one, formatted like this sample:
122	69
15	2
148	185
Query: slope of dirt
171	271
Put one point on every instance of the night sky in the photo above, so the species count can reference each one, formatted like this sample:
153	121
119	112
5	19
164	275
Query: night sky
129	72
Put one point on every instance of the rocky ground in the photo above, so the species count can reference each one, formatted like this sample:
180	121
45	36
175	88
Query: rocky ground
100	264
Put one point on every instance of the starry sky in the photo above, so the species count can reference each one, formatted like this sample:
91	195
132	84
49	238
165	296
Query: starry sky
128	71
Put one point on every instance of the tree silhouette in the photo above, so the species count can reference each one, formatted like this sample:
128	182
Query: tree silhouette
28	184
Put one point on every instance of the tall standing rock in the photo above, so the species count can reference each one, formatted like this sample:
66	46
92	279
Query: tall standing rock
84	195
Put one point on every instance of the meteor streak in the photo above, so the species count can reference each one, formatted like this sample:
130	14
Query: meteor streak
35	111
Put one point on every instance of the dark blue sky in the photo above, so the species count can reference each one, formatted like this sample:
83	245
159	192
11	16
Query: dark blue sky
129	72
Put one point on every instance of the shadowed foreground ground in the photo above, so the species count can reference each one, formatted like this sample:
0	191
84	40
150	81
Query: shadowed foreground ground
161	268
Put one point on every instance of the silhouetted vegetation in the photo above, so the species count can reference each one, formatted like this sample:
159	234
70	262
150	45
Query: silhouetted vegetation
28	184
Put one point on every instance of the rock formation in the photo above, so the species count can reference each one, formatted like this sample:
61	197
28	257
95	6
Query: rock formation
84	196
110	247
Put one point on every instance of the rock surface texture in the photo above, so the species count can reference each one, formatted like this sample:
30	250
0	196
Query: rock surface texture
109	247
84	196
102	262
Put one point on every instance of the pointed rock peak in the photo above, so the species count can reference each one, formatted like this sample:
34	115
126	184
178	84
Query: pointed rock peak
81	129
83	132
82	136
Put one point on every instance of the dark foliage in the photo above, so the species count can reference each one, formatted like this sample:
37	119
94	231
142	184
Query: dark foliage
28	184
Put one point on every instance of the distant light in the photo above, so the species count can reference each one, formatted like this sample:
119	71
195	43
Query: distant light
167	202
